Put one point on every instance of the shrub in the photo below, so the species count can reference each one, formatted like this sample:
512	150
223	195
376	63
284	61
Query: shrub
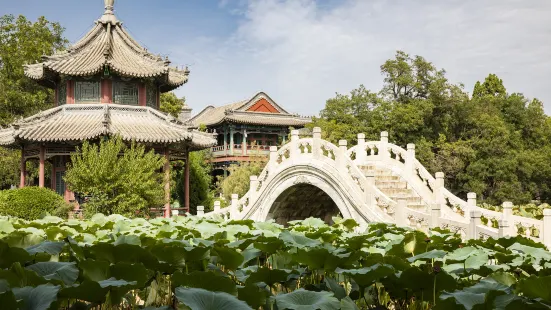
31	203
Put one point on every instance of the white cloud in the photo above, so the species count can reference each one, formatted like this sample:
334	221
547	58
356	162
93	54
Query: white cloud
301	53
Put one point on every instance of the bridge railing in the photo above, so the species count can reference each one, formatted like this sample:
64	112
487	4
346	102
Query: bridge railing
443	208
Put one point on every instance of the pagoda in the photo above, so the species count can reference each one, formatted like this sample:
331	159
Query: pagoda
106	84
246	129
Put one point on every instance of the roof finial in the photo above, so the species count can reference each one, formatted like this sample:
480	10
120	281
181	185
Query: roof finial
109	5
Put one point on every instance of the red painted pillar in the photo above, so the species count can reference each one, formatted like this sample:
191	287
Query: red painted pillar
106	91
141	95
166	169
42	159
186	181
23	168
70	92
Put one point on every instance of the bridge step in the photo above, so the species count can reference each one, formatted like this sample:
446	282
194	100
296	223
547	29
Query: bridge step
391	184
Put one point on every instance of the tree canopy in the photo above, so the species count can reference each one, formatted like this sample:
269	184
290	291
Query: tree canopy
171	104
129	184
494	143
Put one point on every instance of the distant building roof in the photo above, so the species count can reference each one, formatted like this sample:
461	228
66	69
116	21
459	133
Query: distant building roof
258	110
77	122
107	44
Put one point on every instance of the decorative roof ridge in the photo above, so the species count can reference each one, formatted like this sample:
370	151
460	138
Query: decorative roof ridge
208	108
257	97
268	114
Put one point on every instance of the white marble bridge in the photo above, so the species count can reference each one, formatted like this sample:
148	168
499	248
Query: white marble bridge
373	181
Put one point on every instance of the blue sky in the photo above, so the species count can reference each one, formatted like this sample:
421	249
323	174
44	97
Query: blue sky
303	51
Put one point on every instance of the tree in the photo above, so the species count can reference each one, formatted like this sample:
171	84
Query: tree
22	42
200	181
492	86
238	180
127	184
171	104
495	144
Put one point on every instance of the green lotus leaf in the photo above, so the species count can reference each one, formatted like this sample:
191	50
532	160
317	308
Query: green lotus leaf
89	291
536	287
17	276
10	255
128	239
8	301
348	304
200	299
95	270
432	254
537	253
65	272
505	278
204	280
366	276
297	240
117	288
253	295
229	257
52	248
268	276
303	300
336	288
6	227
131	272
460	298
42	297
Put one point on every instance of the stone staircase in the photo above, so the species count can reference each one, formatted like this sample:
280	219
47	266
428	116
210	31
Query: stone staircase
394	187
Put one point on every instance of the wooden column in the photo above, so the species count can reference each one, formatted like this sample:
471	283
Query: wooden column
70	92
244	146
225	140
42	159
142	99
186	181
23	168
166	170
106	91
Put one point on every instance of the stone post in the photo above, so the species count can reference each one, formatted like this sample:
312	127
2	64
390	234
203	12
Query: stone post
473	225
273	155
438	198
547	228
234	211
361	154
383	147
253	189
217	205
410	160
316	144
294	143
435	214
471	201
341	157
503	228
200	210
400	215
508	216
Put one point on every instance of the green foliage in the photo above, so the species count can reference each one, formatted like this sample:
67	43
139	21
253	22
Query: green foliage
32	203
495	144
171	104
23	42
115	262
238	181
9	163
118	178
200	179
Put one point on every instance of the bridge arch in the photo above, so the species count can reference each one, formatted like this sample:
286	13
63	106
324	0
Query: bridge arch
375	181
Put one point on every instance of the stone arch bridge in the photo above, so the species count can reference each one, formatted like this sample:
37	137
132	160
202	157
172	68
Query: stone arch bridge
373	181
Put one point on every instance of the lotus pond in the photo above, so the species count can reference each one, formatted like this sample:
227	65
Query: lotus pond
196	263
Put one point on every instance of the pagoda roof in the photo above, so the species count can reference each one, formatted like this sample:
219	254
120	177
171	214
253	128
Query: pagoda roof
78	122
107	44
240	112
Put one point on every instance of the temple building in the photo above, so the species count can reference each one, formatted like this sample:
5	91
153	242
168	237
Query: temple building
247	128
105	84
